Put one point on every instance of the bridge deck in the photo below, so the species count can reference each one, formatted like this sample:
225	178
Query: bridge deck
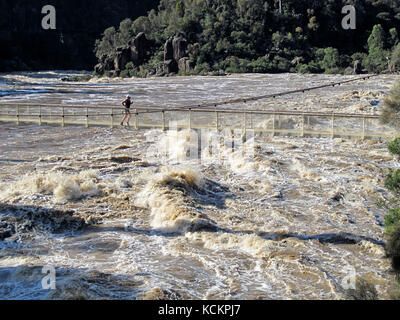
290	123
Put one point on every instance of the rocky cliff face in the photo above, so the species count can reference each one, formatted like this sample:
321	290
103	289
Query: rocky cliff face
25	45
137	51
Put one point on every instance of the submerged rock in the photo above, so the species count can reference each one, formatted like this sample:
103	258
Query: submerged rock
25	219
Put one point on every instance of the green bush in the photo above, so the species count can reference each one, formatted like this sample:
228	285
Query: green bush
391	220
395	58
83	78
391	107
281	64
124	74
202	68
303	68
376	61
392	181
260	65
394	147
328	59
393	247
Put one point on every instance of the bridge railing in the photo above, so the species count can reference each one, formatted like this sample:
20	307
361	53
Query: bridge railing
285	123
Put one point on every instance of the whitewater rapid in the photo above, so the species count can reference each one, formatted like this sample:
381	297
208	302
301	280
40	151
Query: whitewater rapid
290	221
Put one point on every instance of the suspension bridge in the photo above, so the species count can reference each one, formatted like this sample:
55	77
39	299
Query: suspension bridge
210	116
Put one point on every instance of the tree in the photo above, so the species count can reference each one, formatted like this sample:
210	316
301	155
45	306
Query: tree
377	58
328	59
395	59
125	32
108	44
180	8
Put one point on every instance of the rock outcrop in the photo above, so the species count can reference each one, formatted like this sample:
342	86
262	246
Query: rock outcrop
105	64
136	52
185	65
122	57
357	67
175	55
139	47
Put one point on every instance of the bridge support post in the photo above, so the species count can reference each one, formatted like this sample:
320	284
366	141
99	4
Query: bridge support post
302	125
63	117
163	121
363	130
40	115
18	123
273	125
217	120
244	126
244	123
190	119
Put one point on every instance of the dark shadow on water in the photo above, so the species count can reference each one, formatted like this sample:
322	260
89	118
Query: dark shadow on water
25	283
21	221
15	160
327	238
7	93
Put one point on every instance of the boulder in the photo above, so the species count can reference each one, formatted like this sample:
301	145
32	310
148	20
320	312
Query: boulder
170	66
105	64
175	55
179	45
185	65
349	71
122	57
168	50
115	73
139	47
98	69
357	69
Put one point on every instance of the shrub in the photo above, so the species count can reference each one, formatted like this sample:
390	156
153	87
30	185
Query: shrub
392	181
124	74
202	68
394	147
395	58
393	247
83	78
260	65
107	45
328	59
391	220
391	107
376	60
303	68
281	64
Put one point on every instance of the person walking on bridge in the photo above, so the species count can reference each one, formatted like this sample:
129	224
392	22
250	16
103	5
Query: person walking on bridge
127	113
